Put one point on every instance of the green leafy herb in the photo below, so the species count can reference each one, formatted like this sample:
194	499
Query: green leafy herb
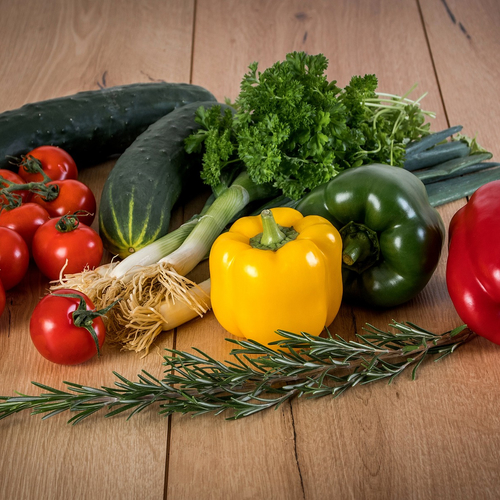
295	129
391	122
257	377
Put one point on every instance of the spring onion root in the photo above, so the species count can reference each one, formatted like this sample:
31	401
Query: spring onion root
115	281
96	283
169	301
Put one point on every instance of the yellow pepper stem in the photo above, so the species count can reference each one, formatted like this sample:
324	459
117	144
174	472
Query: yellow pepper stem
273	235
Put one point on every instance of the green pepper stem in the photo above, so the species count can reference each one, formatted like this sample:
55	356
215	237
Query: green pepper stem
272	234
356	247
361	247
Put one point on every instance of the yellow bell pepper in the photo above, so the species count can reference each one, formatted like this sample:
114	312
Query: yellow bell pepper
276	271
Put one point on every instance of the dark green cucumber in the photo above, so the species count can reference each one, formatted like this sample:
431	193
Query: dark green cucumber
92	125
147	180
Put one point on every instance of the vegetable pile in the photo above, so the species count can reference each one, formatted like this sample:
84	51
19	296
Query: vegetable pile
289	131
319	194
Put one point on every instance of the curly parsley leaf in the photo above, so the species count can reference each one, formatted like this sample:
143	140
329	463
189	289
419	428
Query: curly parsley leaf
294	129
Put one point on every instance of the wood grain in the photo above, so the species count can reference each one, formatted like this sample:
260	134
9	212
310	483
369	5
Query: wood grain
77	46
436	437
370	36
465	48
63	47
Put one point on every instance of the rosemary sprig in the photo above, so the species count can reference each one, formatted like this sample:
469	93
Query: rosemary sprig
257	377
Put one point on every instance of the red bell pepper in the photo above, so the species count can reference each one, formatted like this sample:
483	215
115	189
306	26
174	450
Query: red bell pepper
473	266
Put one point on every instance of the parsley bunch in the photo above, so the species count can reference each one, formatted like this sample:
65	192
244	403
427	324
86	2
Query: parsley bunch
293	129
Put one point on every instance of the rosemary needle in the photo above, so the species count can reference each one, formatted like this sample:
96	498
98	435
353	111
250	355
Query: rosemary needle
255	379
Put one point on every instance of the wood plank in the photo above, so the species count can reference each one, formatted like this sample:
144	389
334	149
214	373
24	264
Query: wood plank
336	443
464	40
75	46
356	37
71	46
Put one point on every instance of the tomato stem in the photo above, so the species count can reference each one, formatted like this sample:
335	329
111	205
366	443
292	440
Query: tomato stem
67	223
84	318
70	222
47	193
31	165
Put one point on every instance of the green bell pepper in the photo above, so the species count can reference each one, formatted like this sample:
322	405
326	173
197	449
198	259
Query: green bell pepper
392	237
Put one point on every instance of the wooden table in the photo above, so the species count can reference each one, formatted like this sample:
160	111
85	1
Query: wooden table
436	437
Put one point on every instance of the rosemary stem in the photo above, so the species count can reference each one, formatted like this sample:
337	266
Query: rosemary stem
303	365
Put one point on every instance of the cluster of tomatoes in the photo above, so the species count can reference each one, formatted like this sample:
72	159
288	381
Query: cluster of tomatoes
55	234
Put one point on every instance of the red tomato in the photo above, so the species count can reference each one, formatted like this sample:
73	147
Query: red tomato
54	333
25	220
14	258
2	299
54	161
73	196
13	177
71	248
